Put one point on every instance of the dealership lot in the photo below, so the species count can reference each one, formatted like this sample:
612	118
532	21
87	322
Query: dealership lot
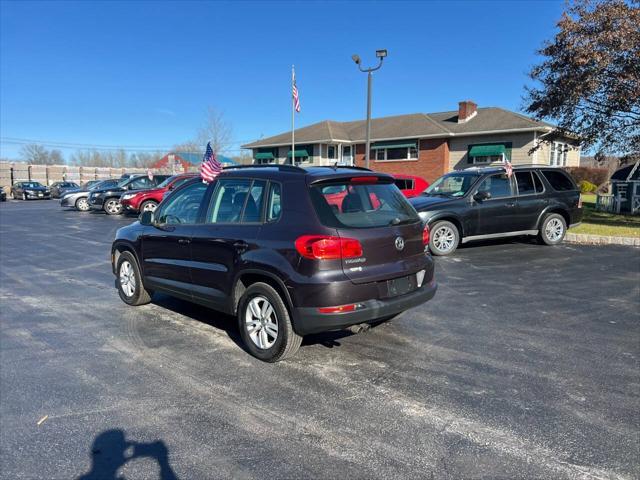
526	364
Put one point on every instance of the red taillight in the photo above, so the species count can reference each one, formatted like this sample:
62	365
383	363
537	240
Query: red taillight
361	180
340	309
425	235
322	247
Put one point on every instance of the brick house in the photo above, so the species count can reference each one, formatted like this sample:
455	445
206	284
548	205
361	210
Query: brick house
424	144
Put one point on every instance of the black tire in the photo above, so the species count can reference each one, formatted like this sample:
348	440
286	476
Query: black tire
112	206
287	341
552	229
139	295
82	204
443	233
148	204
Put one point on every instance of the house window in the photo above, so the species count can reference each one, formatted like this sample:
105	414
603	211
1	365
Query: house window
331	152
484	153
486	159
397	153
558	154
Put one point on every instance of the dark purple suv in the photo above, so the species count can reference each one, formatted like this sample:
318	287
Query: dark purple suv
289	251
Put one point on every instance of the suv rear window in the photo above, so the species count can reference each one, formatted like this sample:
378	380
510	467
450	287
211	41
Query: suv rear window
560	181
361	205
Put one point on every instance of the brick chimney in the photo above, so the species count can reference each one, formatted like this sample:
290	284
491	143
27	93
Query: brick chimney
466	111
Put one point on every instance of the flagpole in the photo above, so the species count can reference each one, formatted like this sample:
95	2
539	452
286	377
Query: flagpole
293	116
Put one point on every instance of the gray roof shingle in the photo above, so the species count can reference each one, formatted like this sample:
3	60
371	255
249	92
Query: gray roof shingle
413	125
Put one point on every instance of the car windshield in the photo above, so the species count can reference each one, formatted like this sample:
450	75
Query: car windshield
123	182
103	184
31	185
361	205
452	185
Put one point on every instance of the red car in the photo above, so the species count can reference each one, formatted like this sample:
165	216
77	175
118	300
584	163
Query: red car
148	200
410	185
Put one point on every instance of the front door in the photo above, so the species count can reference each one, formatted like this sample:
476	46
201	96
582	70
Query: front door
226	238
347	155
166	245
496	214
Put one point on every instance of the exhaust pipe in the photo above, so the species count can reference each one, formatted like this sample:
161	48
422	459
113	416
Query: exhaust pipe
359	328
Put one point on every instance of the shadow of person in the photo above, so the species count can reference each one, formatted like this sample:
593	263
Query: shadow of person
111	451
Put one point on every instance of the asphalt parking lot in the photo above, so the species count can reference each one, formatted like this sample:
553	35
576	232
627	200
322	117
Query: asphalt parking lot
525	365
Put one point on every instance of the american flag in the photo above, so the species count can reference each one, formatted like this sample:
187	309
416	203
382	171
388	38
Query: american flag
210	167
508	168
296	97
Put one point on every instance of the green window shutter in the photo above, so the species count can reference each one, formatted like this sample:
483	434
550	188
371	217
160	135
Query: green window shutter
402	144
264	156
298	153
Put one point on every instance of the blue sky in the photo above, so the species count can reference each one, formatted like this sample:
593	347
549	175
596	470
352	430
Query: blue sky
143	73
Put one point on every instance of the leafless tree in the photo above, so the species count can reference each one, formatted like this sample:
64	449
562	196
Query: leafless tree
34	154
217	130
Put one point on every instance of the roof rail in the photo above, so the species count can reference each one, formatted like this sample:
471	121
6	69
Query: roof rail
284	168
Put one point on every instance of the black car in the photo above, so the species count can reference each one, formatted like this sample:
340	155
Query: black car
271	245
89	184
30	190
484	203
3	195
108	199
59	188
79	199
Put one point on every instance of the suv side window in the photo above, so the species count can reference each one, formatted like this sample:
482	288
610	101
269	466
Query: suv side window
528	183
558	180
274	207
142	182
183	206
237	200
499	186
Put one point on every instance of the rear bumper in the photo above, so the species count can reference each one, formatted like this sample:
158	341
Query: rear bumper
36	196
309	320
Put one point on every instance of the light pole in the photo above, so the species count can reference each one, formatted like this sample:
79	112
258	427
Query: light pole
356	58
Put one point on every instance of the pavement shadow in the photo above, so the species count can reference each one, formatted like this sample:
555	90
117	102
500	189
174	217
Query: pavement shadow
219	320
111	451
229	325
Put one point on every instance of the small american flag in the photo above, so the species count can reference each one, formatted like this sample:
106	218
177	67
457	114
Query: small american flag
296	97
508	167
210	167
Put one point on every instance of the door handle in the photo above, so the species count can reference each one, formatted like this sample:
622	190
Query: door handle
184	241
510	204
241	245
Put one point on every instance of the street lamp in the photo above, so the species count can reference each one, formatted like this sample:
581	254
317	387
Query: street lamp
356	58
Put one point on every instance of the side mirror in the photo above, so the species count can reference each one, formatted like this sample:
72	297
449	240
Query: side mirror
481	195
146	218
171	187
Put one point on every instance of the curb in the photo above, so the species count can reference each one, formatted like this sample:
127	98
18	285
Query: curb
585	239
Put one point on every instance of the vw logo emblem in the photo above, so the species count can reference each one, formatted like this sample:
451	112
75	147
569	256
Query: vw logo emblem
399	244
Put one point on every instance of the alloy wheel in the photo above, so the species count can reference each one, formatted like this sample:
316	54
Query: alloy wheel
261	322
149	207
83	204
127	278
444	239
554	229
113	207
